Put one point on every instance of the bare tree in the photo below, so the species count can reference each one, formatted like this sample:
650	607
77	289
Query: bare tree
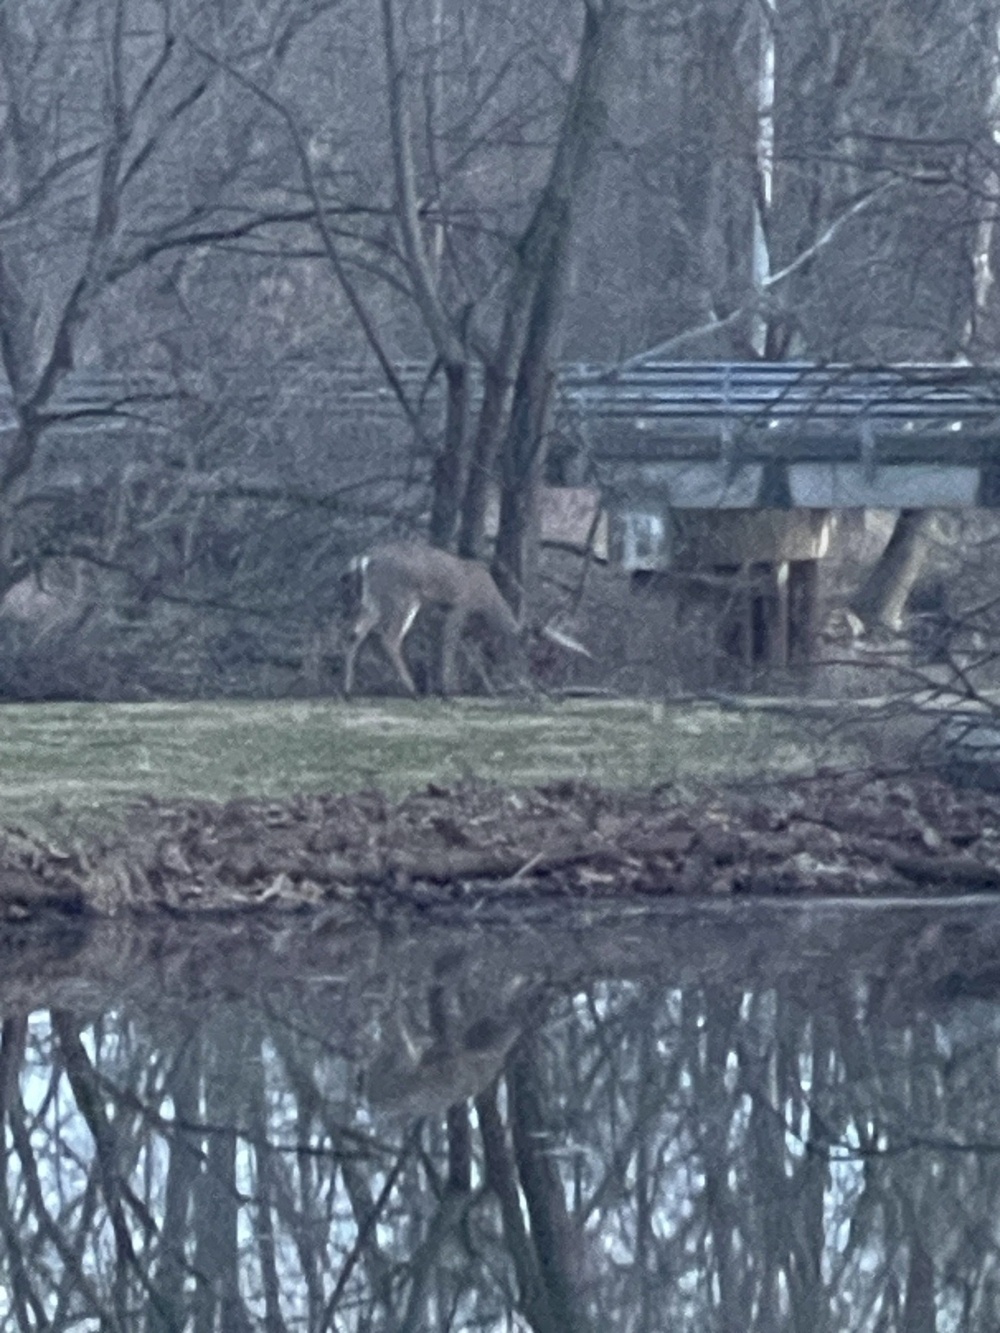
506	445
100	177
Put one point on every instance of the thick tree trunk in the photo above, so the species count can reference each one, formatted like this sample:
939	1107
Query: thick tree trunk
919	1312
557	1238
446	332
450	465
515	557
501	1177
525	348
881	599
983	274
493	414
165	1294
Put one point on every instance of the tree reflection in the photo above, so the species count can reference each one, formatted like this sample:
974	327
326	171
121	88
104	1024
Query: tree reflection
447	1138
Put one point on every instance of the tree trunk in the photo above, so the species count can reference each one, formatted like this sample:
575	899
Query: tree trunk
165	1293
557	1238
983	275
217	1303
493	413
450	465
881	599
763	197
919	1313
513	406
515	557
445	331
501	1178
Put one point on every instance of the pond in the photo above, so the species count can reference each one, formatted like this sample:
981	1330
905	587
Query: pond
761	1115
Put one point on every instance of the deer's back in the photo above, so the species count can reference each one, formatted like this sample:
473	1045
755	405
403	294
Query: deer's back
446	580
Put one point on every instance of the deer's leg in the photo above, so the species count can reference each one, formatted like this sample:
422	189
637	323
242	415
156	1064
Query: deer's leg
521	663
451	633
392	636
360	630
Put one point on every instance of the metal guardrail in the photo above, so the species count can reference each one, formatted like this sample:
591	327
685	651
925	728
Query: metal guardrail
780	392
761	393
695	434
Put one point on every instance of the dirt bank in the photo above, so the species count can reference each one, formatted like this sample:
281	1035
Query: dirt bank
832	834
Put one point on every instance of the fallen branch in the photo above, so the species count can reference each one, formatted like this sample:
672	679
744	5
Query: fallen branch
960	874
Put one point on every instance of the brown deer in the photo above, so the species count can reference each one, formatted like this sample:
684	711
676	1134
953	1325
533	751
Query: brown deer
397	579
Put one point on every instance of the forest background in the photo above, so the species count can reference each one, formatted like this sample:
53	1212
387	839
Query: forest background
240	203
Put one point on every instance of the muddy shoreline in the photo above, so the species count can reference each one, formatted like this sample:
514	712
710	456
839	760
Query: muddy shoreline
477	848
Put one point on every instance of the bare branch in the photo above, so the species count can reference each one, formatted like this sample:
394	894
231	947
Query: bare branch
715	325
326	236
439	324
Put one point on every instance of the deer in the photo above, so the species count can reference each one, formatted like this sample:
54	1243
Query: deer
399	578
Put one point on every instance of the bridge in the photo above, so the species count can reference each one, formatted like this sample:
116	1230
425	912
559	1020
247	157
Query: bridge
687	434
717	435
725	473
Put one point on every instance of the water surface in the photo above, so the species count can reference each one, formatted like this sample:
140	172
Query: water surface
719	1116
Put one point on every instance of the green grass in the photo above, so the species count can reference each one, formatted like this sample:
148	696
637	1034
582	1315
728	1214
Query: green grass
77	765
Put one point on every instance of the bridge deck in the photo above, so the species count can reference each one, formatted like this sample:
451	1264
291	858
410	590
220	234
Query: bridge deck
757	434
700	433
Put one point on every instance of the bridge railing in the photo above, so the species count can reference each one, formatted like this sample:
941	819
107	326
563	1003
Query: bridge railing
781	392
768	394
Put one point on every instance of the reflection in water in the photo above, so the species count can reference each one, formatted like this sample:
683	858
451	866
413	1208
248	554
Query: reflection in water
756	1118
